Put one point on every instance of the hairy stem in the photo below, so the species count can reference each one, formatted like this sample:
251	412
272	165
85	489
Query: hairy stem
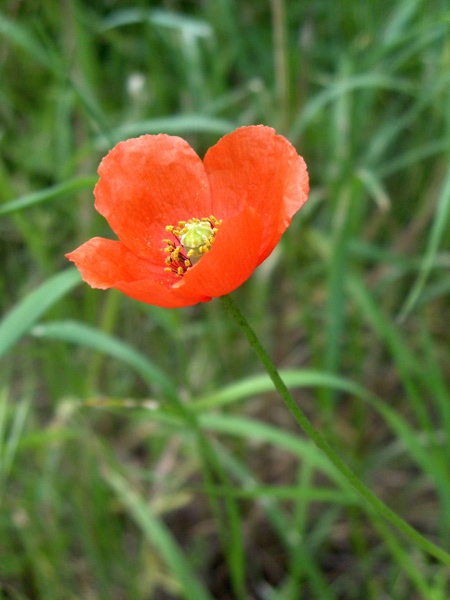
373	501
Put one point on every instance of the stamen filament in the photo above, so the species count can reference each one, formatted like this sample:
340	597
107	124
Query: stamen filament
193	239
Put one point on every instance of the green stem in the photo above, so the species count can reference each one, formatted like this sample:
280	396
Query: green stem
373	501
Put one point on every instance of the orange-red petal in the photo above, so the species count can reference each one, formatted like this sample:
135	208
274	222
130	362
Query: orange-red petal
252	179
255	166
109	264
147	183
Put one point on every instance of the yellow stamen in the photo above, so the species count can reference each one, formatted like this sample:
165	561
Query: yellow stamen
192	239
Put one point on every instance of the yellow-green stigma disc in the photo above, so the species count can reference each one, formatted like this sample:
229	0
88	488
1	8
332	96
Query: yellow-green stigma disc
196	238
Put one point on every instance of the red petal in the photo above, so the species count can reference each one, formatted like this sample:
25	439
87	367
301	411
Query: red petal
232	259
147	183
253	165
109	264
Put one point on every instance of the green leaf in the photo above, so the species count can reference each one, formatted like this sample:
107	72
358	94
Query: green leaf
89	337
50	193
160	18
23	39
258	384
176	125
25	314
158	535
437	233
251	429
10	433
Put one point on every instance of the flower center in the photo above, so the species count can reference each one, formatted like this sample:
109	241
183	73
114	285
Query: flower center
193	239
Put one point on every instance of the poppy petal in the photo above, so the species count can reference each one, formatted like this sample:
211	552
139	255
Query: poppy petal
252	180
109	264
253	165
232	259
147	183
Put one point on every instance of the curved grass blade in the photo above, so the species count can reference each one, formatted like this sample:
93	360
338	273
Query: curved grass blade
251	386
256	430
259	384
158	535
21	319
438	229
176	125
23	39
89	337
160	18
10	434
320	101
50	193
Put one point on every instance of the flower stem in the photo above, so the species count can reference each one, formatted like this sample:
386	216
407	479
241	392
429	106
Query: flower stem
373	501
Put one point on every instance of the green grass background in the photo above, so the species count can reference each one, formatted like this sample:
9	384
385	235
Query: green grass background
143	453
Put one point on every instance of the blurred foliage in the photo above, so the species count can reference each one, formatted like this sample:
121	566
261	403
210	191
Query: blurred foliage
141	456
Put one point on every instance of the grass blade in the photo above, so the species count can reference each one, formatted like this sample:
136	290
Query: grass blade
22	318
176	125
50	193
89	337
158	535
437	232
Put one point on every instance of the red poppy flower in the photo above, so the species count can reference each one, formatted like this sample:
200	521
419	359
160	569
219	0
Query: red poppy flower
190	230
